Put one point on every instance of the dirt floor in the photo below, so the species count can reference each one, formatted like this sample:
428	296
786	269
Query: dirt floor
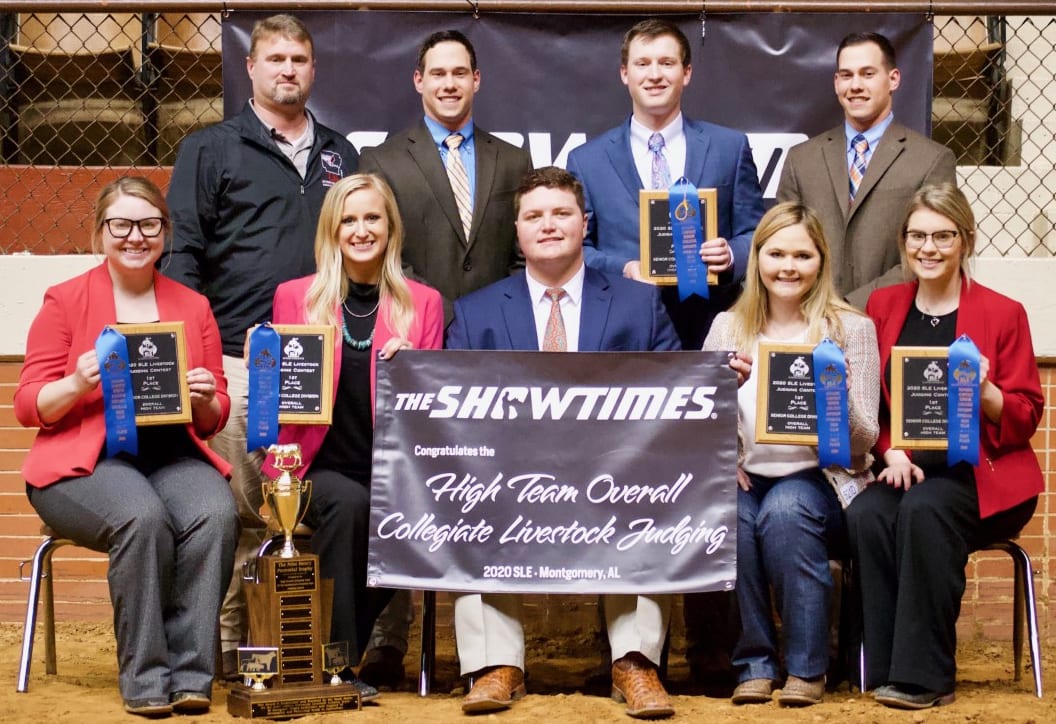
561	689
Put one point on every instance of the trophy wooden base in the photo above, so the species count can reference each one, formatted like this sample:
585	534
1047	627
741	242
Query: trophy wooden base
291	701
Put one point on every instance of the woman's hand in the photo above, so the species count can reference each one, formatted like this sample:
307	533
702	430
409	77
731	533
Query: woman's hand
743	481
741	363
900	471
205	408
202	384
394	345
991	398
57	398
86	376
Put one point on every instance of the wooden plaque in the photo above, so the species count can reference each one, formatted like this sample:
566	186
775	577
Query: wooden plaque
157	360
919	389
785	410
306	374
655	238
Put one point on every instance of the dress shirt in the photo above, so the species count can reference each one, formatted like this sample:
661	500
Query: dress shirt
467	150
571	306
872	135
674	150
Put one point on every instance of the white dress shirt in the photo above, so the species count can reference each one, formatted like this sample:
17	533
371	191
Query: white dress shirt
674	150
571	306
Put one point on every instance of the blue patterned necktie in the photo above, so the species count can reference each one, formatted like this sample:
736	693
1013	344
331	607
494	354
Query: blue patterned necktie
661	172
857	170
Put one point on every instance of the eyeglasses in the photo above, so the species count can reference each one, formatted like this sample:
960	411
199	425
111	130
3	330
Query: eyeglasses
121	228
941	239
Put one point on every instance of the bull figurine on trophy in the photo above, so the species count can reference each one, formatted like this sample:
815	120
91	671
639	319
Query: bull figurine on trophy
289	610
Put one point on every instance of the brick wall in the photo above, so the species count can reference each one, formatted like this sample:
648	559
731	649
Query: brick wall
80	575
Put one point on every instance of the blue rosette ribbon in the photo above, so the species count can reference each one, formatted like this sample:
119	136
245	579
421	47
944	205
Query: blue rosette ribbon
262	423
962	411
119	409
687	236
830	402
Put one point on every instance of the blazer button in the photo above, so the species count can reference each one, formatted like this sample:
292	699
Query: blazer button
467	265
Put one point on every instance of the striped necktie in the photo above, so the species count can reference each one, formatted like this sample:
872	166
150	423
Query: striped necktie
459	179
554	336
857	170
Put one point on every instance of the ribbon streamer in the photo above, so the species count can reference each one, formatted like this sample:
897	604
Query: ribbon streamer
687	236
262	423
962	411
830	402
119	410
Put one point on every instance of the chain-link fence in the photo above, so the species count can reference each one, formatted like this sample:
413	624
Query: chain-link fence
83	94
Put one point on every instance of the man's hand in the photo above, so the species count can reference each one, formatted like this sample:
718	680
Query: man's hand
633	270
717	254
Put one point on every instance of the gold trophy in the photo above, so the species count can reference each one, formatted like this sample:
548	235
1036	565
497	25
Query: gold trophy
287	496
289	611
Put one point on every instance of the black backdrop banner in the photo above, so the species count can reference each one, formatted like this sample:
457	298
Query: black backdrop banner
576	472
551	82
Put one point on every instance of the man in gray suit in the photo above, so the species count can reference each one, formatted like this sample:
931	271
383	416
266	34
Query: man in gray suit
861	175
454	186
457	239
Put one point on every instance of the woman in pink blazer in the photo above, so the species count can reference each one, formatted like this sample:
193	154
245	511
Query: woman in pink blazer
912	530
359	287
165	515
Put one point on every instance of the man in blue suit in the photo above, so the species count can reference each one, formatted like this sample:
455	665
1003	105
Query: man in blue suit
653	148
559	304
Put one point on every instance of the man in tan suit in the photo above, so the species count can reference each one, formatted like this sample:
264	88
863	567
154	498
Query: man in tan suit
859	177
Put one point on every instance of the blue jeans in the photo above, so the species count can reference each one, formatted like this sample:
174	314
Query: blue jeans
786	528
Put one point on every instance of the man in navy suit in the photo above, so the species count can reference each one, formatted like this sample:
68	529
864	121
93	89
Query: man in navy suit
653	148
655	67
558	303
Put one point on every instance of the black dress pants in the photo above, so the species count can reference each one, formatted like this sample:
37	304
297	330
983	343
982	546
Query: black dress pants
911	548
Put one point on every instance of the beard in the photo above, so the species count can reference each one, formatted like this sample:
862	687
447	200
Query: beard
289	97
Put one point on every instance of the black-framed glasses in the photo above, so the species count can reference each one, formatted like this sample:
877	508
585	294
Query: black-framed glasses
941	239
120	228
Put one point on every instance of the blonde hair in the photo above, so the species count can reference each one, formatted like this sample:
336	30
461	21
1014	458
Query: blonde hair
135	186
330	286
949	201
821	305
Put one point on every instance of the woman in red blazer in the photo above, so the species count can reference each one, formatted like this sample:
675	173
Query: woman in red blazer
165	515
359	287
911	531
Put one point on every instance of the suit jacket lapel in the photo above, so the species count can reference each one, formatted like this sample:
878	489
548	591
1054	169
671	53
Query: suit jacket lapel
487	161
519	316
835	153
697	145
622	160
887	150
595	313
425	154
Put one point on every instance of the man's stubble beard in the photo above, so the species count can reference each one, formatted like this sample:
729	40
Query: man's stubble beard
289	98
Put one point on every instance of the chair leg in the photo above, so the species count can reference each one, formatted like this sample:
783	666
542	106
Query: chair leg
1025	591
40	584
425	675
861	666
1024	607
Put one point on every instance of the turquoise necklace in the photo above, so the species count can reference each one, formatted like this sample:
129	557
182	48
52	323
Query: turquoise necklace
358	344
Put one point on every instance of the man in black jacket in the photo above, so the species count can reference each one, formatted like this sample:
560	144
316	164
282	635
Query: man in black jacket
245	198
